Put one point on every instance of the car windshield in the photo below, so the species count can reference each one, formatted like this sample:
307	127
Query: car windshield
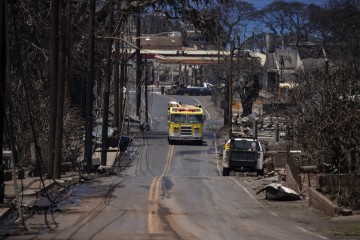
244	145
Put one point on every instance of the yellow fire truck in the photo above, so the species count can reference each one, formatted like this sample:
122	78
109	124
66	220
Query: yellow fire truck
186	123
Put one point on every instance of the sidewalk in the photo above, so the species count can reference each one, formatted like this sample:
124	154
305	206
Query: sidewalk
29	187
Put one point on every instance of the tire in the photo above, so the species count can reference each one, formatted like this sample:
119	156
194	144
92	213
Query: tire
170	141
226	171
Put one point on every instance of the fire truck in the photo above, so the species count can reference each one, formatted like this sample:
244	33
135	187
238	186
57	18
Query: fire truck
186	123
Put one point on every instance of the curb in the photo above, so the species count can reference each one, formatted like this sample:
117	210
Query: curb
319	201
4	213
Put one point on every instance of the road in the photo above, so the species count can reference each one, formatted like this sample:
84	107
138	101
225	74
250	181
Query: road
174	192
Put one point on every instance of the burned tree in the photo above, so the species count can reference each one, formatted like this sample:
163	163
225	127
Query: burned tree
326	125
248	92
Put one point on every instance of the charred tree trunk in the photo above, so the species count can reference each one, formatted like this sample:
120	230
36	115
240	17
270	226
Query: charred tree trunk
249	91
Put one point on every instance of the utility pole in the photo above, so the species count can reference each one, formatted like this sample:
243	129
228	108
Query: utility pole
116	89
54	70
121	87
146	92
106	98
138	67
3	65
68	52
90	88
230	83
60	99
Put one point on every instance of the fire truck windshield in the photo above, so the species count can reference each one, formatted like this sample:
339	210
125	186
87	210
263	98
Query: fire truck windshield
186	118
195	119
178	118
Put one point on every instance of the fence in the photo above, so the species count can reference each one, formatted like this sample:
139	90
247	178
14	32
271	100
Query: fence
333	182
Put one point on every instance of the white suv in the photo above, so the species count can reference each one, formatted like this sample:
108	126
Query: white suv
243	154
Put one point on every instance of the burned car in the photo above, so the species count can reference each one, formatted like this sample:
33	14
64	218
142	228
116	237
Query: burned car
114	138
130	122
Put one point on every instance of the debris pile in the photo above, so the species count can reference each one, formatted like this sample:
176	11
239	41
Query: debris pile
275	191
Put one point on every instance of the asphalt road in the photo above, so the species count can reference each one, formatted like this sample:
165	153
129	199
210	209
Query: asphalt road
175	192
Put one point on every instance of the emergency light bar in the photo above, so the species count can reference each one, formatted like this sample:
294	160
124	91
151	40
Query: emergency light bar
186	110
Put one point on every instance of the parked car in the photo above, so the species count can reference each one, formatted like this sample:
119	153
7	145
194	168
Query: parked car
206	89
97	132
135	123
243	154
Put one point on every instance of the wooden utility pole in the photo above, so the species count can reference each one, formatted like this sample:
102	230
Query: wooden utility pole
106	98
121	86
54	70
116	89
90	88
68	53
138	66
146	92
230	86
60	101
3	65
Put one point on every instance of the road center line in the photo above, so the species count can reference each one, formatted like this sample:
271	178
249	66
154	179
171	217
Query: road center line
154	221
151	228
168	160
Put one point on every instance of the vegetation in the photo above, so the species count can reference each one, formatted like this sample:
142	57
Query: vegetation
327	117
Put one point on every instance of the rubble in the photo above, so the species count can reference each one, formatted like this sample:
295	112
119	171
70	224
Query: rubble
275	191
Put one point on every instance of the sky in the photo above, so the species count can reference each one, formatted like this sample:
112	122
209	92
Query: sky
262	3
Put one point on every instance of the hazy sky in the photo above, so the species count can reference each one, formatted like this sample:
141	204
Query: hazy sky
262	3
